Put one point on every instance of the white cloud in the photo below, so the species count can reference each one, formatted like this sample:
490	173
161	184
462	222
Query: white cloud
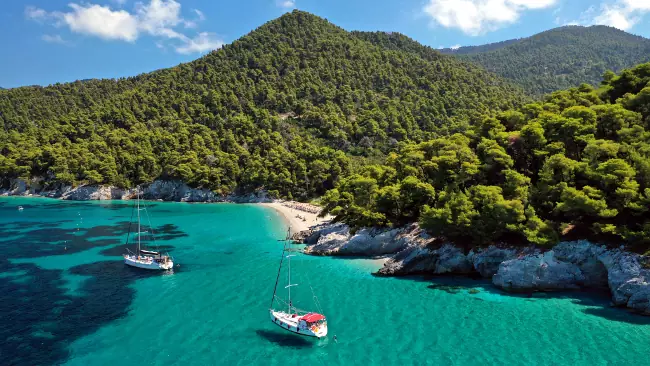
203	42
622	14
157	18
102	22
616	17
286	4
56	38
637	4
475	17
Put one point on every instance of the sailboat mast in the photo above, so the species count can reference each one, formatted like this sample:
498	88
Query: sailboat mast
289	258
138	200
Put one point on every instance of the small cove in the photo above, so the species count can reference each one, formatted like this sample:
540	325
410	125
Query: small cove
68	299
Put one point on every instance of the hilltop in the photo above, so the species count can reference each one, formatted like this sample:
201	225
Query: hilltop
289	108
560	58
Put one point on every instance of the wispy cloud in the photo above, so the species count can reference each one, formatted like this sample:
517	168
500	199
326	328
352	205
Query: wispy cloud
286	4
198	18
199	14
55	38
36	14
157	18
453	48
201	43
475	17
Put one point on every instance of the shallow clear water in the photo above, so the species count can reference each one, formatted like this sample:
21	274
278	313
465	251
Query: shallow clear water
66	298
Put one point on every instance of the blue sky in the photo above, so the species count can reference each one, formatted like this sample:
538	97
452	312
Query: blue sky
49	41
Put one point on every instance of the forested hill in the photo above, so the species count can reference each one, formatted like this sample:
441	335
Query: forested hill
284	108
575	165
561	58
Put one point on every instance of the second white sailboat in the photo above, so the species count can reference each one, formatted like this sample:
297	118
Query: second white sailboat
145	259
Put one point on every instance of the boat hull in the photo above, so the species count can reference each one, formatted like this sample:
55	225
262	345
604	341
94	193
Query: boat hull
147	264
287	322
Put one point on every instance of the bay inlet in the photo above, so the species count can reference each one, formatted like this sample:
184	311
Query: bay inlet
67	298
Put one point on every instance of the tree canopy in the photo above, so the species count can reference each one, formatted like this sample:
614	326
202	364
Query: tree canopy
576	162
283	108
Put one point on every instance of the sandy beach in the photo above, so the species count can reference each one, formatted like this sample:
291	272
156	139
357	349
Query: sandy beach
291	215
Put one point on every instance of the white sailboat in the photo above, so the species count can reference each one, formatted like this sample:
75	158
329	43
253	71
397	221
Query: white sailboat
145	259
294	320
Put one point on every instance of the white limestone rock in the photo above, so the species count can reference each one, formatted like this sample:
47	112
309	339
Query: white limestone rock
85	193
628	280
538	272
336	239
447	259
585	255
486	261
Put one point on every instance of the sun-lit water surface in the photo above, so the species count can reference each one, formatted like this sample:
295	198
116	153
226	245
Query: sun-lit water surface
66	298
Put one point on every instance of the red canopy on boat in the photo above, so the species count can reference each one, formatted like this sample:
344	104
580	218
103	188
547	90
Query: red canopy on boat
312	317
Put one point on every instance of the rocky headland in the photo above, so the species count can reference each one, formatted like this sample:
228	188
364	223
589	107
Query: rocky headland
567	266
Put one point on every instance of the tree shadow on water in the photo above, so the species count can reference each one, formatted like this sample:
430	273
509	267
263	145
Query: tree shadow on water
40	319
32	241
596	302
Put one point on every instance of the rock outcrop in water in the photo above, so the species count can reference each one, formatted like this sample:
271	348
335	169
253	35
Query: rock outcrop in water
538	272
628	279
486	261
158	190
567	266
337	240
85	193
447	259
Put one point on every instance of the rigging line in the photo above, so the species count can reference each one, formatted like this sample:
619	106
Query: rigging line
153	235
305	274
130	223
280	300
277	279
314	297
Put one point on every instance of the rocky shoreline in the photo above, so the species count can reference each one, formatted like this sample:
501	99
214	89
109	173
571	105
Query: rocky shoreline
164	190
567	266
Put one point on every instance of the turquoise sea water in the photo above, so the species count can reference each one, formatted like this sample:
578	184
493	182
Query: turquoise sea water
67	298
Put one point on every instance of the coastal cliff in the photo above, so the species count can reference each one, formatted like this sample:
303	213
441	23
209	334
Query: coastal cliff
567	266
165	190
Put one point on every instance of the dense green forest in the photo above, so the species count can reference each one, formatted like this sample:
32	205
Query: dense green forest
576	164
560	58
290	107
388	131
